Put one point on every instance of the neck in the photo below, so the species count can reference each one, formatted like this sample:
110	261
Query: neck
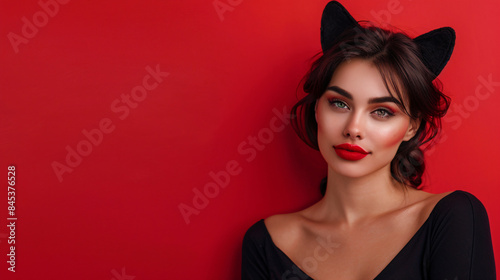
349	200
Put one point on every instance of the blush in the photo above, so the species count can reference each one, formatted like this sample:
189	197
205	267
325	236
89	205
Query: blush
396	137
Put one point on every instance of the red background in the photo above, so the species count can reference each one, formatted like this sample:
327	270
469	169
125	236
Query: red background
119	207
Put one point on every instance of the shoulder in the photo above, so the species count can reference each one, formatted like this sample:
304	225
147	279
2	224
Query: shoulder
255	257
282	222
255	232
285	229
255	242
460	239
275	229
460	203
454	202
459	212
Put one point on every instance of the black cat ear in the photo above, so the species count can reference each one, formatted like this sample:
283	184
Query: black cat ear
335	20
436	47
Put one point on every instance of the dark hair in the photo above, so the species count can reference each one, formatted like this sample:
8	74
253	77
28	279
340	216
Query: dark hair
399	62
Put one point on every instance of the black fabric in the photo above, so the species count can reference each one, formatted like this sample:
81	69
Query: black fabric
334	21
454	243
435	46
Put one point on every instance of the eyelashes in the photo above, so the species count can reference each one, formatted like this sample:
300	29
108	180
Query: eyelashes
338	103
382	112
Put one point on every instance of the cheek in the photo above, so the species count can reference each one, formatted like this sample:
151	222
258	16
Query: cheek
328	125
391	135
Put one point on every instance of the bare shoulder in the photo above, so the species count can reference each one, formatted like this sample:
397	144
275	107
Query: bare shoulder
424	202
285	229
289	230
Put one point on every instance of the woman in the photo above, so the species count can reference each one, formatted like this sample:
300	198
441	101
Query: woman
371	105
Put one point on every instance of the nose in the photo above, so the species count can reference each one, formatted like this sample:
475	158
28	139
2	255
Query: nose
354	128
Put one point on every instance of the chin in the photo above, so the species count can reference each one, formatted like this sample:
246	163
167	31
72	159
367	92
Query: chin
359	168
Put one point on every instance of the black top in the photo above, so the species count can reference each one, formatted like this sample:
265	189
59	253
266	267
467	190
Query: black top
454	243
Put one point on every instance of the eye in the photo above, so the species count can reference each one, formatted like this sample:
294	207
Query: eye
383	113
338	103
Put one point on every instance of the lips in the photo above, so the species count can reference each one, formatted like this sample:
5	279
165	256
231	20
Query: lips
350	152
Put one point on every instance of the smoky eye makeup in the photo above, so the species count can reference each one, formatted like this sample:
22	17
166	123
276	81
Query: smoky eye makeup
337	103
380	111
374	100
384	112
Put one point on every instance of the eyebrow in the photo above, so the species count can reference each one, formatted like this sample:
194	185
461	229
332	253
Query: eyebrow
370	101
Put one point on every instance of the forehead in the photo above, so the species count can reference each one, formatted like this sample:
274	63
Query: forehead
362	79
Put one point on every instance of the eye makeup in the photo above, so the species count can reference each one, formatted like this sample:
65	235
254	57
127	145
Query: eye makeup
338	103
389	110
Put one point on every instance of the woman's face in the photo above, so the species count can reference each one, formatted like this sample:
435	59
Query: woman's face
357	110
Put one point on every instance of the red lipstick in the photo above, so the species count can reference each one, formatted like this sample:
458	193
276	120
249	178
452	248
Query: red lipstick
350	152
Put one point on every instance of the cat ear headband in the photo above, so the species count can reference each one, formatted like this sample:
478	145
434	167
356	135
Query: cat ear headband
435	46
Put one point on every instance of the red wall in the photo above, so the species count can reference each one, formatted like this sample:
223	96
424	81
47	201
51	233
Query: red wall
161	97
